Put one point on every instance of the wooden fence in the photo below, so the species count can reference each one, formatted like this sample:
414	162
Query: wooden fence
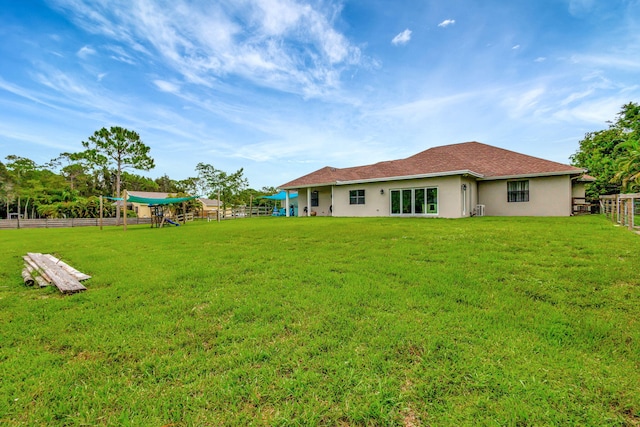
622	209
66	222
239	212
230	213
582	206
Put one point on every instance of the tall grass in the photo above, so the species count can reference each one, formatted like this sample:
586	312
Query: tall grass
327	321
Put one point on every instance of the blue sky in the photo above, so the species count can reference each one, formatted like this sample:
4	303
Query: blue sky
282	88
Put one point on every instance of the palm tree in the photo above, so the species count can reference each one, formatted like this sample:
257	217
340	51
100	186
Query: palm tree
629	166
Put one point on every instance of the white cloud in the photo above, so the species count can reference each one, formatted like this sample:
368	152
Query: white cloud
608	61
167	86
521	103
62	82
402	38
516	47
282	45
596	111
540	59
85	51
579	7
447	22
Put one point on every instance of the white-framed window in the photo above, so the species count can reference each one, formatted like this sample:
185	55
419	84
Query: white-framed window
356	197
414	201
518	191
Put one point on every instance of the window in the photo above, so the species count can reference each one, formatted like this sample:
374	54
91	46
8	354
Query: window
414	201
356	197
518	191
432	200
315	199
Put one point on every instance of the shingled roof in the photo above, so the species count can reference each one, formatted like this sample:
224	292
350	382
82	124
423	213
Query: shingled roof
473	158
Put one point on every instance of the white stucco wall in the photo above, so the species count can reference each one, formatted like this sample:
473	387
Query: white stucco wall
450	197
578	189
548	196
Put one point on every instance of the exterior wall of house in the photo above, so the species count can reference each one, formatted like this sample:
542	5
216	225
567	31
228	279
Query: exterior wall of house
451	198
143	211
206	209
301	202
578	189
548	196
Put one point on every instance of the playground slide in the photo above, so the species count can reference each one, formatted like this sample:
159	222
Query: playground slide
171	222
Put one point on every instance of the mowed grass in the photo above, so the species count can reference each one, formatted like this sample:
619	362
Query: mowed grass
327	321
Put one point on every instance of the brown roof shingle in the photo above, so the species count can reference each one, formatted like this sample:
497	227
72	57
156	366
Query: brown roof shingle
483	160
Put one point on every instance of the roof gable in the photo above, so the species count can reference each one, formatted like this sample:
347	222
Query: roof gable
484	161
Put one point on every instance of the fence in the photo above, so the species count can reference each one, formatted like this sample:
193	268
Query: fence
229	213
582	205
622	209
66	222
239	212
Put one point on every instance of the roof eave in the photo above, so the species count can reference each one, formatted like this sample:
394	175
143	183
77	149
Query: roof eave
295	187
532	175
406	177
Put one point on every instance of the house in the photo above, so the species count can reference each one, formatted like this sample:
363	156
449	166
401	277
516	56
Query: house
451	181
210	207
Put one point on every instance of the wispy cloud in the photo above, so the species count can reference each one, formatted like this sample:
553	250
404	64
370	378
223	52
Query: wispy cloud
119	54
578	7
282	45
446	23
520	103
608	61
167	86
515	47
85	51
402	38
62	82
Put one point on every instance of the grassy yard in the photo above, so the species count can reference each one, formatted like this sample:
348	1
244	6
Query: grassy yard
327	321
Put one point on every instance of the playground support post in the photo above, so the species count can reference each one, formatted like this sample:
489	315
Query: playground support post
124	204
100	212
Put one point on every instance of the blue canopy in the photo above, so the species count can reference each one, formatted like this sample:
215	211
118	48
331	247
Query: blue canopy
280	196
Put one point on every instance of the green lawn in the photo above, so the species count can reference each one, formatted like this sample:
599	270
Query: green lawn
327	321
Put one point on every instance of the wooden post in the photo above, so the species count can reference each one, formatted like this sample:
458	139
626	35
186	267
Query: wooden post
124	205
630	213
184	213
250	205
100	212
218	205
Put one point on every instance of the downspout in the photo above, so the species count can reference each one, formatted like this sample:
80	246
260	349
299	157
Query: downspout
331	206
308	201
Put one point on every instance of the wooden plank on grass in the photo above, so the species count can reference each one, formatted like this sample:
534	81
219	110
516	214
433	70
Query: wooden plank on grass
31	263
75	273
36	275
64	281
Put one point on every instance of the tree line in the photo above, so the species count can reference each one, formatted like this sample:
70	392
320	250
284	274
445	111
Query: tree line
612	155
70	185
